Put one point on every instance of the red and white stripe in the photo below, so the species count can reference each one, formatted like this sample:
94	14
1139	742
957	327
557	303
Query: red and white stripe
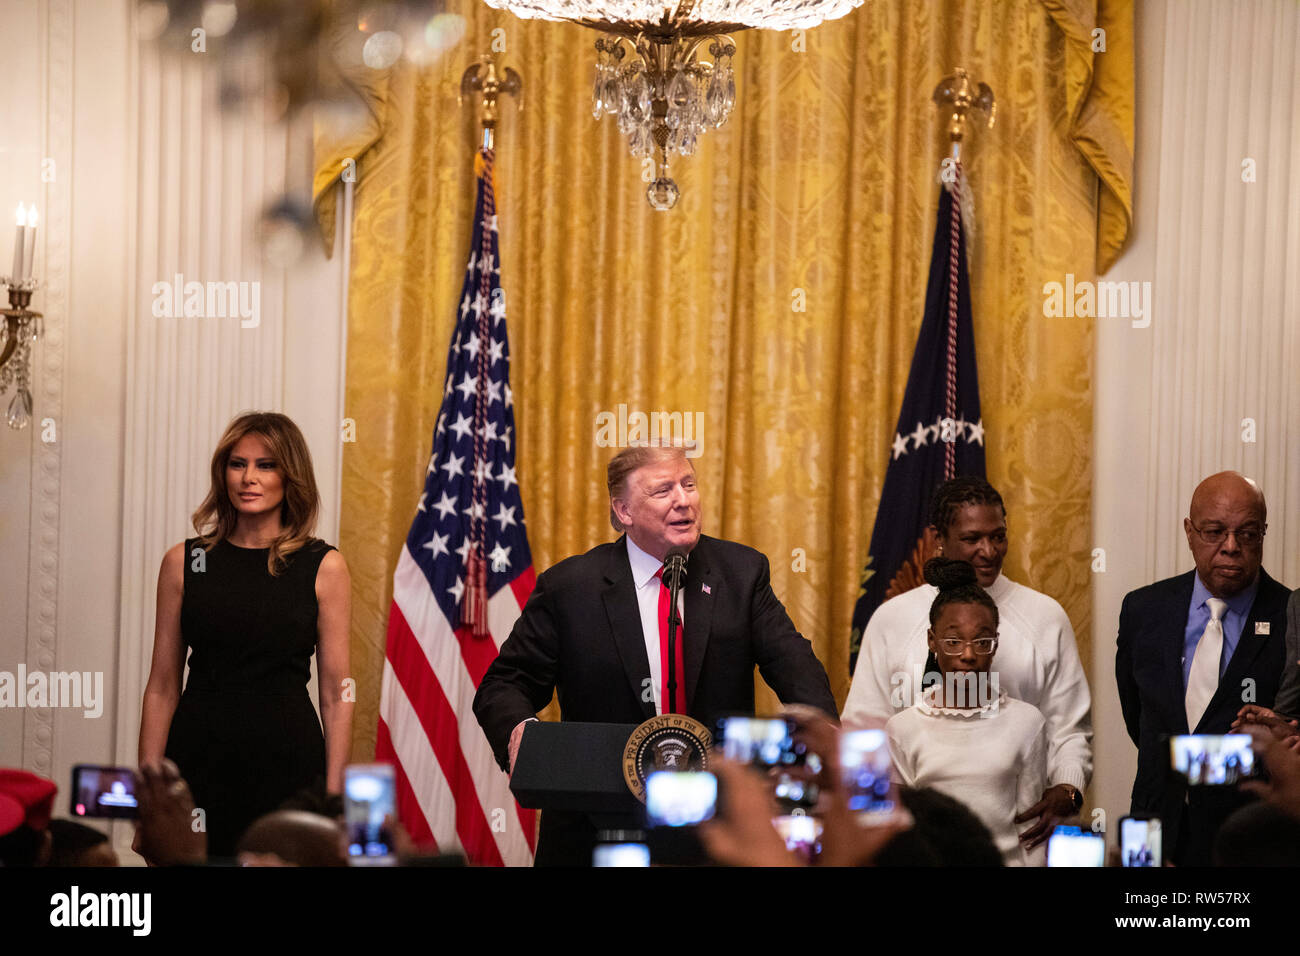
450	791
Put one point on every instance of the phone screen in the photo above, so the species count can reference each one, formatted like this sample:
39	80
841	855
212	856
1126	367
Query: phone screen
801	833
104	792
369	795
1139	842
1212	759
680	799
621	854
865	765
760	741
768	744
1071	846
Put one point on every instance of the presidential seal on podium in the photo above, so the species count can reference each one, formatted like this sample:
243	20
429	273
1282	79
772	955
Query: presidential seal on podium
672	742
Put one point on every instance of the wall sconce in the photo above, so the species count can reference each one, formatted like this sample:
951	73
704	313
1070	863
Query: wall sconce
21	326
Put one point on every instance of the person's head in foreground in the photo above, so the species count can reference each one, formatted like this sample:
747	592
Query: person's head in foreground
1258	834
292	838
944	833
26	801
75	844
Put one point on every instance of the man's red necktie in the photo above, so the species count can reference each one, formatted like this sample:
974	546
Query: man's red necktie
678	705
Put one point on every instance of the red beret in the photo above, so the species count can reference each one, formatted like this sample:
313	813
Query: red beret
24	798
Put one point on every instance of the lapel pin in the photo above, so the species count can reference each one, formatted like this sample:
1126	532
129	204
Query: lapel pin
1261	627
706	589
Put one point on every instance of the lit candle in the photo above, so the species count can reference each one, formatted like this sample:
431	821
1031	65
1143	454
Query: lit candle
20	239
29	251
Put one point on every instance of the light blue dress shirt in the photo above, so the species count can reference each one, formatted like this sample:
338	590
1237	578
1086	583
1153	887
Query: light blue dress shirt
1234	621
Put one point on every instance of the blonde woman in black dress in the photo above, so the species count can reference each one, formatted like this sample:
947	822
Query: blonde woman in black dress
251	598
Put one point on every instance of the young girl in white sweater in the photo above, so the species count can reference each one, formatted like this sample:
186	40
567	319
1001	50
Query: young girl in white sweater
963	737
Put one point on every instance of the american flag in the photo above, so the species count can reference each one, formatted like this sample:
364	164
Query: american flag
460	583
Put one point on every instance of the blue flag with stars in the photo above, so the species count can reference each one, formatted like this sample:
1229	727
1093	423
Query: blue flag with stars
940	433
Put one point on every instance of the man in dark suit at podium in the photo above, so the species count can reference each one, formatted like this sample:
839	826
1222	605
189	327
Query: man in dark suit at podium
1192	650
595	631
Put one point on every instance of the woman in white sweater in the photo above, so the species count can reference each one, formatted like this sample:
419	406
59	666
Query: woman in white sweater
964	737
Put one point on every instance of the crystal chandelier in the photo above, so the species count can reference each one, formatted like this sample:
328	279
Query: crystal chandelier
663	67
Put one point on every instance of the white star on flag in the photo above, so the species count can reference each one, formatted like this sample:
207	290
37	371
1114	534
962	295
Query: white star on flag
455	466
507	517
437	544
462	426
445	506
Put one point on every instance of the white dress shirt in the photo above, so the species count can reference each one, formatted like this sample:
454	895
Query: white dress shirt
645	570
1036	662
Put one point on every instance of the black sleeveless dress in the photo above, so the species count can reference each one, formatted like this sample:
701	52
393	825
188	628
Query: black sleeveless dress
245	734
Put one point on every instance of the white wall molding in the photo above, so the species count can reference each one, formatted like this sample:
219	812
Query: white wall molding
47	381
1217	85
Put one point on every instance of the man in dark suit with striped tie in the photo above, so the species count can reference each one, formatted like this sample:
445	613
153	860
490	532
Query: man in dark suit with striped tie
1192	650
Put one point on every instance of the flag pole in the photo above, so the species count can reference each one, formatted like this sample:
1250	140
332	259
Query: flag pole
468	534
942	387
487	78
958	96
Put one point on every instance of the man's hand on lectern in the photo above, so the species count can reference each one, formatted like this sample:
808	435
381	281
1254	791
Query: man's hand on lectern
516	735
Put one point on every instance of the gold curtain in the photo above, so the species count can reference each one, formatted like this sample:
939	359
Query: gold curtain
819	192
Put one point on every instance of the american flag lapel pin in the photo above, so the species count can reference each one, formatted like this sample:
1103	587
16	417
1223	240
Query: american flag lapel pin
706	589
1261	627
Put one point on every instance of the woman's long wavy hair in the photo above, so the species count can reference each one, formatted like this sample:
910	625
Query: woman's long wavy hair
216	518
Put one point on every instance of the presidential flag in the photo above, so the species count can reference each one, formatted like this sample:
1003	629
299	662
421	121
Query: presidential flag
461	580
940	433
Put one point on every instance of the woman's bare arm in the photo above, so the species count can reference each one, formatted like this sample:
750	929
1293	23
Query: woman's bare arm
163	691
333	663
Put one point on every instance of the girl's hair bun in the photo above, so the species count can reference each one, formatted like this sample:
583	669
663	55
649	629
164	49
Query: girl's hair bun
948	574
